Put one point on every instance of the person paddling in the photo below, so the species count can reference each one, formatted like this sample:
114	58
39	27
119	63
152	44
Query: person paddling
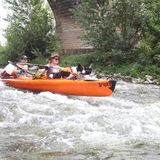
18	69
15	69
21	64
53	66
55	71
23	68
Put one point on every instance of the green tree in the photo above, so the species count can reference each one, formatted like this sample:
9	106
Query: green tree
112	25
2	55
150	45
31	30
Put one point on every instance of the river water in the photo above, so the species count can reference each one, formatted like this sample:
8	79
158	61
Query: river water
47	126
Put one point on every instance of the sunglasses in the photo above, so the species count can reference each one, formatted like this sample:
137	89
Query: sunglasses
24	59
57	59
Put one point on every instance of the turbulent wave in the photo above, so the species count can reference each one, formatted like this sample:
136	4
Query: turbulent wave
125	125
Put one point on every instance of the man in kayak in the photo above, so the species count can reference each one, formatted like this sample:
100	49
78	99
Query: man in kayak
13	69
18	69
22	64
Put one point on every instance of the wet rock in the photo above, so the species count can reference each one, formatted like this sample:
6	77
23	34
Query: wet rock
156	82
146	80
128	78
137	80
149	79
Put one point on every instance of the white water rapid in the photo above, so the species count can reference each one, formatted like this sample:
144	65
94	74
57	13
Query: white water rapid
47	126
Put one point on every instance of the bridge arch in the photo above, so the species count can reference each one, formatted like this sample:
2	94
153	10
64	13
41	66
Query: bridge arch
68	31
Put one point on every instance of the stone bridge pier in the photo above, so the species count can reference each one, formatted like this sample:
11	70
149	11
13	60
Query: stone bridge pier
68	31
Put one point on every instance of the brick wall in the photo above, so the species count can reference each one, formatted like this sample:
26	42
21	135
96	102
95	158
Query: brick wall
68	32
70	36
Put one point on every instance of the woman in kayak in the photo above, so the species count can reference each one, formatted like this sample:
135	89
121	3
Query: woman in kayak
54	69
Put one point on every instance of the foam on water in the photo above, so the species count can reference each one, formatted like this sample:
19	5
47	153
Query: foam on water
81	127
2	85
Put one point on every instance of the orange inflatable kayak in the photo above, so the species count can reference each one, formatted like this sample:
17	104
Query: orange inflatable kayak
64	86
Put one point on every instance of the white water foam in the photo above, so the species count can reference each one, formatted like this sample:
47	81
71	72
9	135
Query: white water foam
83	125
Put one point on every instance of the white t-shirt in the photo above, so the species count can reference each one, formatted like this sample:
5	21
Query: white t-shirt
54	69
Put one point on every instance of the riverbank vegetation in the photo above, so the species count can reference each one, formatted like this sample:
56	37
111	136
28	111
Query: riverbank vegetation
99	65
31	31
125	35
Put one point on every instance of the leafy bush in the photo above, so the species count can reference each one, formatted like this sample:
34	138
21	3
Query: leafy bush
133	69
112	25
31	27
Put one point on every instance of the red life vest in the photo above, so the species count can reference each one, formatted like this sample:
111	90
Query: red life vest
5	74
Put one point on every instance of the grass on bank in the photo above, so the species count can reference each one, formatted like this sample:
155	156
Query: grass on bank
134	69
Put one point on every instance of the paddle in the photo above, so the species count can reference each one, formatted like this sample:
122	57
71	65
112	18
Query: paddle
88	70
31	64
15	64
40	65
79	67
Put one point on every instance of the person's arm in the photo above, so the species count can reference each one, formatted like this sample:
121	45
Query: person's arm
34	68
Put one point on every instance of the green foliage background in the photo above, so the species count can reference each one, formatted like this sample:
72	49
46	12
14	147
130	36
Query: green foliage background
122	31
30	31
125	34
